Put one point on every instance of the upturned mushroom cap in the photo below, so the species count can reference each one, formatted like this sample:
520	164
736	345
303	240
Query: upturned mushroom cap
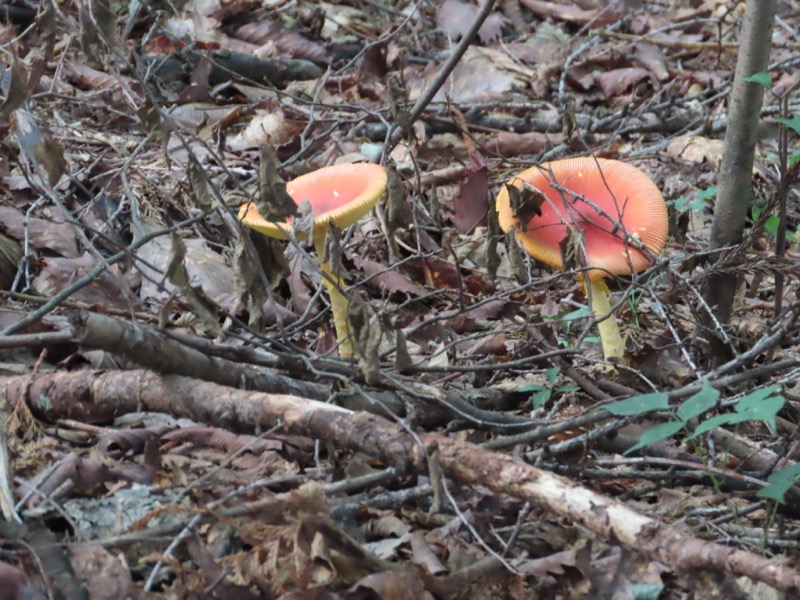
603	199
341	194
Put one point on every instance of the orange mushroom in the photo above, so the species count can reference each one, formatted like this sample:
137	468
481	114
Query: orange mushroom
615	208
340	194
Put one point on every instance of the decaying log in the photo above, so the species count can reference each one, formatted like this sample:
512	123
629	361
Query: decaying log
93	396
156	350
150	348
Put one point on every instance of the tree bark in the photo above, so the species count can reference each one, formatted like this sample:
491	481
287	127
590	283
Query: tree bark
734	193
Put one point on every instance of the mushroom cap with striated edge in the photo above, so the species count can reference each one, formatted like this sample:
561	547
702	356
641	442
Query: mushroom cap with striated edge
604	200
341	194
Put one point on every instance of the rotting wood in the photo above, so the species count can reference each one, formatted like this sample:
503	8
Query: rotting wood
150	348
156	350
93	396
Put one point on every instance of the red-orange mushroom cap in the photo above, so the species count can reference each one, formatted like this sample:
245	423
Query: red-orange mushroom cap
604	200
341	194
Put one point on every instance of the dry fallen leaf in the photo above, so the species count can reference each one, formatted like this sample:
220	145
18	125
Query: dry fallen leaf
205	269
455	18
264	128
483	74
697	149
105	576
54	235
471	203
387	278
652	57
618	81
58	273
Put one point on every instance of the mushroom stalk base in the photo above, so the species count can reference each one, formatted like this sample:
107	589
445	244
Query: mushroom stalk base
339	301
613	345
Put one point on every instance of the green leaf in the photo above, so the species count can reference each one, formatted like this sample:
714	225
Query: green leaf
761	78
755	398
793	124
779	483
755	212
718	421
639	405
567	389
533	387
552	374
795	158
766	411
660	432
790	472
678	203
776	491
702	401
772	224
541	398
583	311
647	591
707	193
699	205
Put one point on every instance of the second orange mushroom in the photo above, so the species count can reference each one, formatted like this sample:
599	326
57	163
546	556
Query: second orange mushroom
618	213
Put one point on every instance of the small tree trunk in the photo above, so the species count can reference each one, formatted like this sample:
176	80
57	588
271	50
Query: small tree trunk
735	178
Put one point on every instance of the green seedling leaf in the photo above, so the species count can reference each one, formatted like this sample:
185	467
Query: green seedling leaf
766	411
552	374
776	491
583	311
790	472
541	398
639	405
793	124
655	434
647	591
707	193
794	159
592	339
779	483
567	389
718	421
701	402
761	78
755	212
700	201
678	203
533	387
772	224
755	398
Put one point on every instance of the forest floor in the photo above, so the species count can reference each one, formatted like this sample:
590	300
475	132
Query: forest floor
178	421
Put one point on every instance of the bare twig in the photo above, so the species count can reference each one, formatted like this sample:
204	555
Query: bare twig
397	132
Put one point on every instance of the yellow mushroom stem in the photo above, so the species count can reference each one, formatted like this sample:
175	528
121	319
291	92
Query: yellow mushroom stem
339	301
613	345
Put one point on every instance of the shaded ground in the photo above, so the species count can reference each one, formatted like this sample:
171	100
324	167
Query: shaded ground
131	140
